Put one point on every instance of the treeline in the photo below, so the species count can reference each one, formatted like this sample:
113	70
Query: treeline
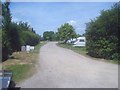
14	35
49	36
102	34
64	33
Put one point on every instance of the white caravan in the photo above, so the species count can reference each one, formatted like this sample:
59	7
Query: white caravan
71	41
81	41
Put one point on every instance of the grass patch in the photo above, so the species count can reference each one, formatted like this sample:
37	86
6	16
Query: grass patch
19	71
80	50
22	64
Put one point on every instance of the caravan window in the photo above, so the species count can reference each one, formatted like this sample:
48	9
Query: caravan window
82	40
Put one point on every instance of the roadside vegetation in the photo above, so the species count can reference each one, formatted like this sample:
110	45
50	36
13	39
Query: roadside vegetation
83	51
15	34
22	64
102	35
65	32
80	50
102	40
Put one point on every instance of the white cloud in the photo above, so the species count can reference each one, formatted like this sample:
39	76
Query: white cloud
80	28
29	23
18	20
72	22
15	20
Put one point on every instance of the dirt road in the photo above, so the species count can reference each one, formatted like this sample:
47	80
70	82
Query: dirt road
62	68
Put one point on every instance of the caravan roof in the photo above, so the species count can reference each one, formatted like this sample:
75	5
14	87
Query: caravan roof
81	38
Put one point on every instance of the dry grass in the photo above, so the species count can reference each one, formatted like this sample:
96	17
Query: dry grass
22	63
21	58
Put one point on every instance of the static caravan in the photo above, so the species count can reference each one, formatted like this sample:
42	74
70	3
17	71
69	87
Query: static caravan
80	41
71	41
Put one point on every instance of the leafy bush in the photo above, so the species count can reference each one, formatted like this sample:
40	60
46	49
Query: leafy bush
102	34
14	35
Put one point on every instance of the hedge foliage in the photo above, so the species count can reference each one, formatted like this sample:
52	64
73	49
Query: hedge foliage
102	34
15	34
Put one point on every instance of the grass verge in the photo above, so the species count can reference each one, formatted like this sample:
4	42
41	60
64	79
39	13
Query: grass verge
83	51
80	50
22	64
19	71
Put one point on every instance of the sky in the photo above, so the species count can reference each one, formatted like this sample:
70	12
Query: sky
48	16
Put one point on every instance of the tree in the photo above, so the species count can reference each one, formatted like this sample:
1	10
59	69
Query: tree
29	38
6	22
0	15
102	34
48	35
66	31
14	37
0	42
27	34
56	36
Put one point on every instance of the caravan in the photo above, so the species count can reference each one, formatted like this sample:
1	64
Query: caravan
81	41
71	41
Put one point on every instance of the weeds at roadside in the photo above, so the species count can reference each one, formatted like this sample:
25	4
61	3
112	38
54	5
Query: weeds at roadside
22	64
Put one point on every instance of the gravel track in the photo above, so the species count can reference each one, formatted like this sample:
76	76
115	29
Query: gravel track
62	68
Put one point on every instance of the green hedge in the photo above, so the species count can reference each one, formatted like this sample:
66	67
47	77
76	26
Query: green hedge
102	34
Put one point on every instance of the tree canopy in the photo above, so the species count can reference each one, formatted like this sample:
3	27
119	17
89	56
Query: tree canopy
15	34
102	34
48	35
66	31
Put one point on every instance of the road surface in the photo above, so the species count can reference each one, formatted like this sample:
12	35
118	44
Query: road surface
62	68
